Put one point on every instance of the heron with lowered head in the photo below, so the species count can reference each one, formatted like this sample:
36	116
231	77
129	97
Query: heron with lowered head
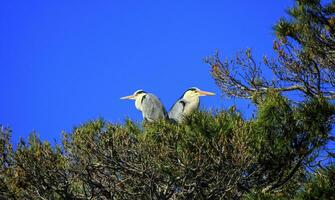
188	103
150	106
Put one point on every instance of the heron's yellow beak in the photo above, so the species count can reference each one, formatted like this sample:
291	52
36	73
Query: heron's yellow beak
205	93
128	97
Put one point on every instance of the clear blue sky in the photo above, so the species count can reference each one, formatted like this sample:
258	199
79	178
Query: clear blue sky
66	62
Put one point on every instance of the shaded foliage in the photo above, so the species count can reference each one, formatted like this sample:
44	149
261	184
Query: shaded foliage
320	185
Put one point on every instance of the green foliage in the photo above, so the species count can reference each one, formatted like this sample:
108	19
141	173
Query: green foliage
40	170
6	161
320	186
306	47
208	156
274	131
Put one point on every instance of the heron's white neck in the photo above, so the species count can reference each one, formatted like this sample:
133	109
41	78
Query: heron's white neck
192	104
138	101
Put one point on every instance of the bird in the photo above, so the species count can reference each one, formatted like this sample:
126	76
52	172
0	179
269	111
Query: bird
151	107
187	103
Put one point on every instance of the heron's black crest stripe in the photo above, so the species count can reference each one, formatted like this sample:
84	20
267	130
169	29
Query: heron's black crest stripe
140	92
190	89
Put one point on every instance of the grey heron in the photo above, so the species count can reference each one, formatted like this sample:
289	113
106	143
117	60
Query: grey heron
188	103
150	106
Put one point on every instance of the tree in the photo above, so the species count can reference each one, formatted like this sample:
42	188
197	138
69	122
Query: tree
305	48
209	156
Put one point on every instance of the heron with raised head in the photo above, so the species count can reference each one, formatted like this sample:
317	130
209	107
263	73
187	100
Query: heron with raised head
187	103
150	106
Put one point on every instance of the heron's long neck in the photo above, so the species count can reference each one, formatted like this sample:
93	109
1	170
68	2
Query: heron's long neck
191	105
138	102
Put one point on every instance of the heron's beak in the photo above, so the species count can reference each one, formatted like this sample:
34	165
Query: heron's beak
205	93
128	97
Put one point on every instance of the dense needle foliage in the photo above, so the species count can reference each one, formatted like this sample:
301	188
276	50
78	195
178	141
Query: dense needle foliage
209	156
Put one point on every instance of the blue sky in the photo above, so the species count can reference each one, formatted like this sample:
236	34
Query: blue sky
63	63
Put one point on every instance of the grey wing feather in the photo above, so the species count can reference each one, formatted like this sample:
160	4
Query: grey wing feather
153	109
176	111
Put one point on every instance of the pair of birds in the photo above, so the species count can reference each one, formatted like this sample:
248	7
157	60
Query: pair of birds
152	109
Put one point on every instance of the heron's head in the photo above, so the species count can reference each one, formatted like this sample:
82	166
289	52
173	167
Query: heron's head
137	95
194	92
